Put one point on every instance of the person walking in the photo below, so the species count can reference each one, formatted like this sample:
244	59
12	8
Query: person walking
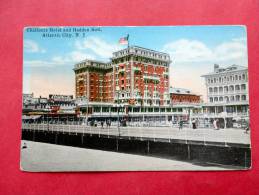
193	124
180	124
215	124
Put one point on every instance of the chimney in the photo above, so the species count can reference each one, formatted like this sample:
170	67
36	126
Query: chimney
216	67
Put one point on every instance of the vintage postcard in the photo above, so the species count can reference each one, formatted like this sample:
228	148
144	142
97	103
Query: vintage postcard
135	98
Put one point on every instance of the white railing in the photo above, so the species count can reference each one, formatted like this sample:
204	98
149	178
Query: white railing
222	114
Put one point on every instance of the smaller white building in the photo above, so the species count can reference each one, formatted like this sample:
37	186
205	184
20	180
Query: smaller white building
227	95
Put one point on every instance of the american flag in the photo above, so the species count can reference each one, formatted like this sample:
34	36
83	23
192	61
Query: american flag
124	40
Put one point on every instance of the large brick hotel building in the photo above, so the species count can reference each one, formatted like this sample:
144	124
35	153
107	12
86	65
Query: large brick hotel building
135	81
135	76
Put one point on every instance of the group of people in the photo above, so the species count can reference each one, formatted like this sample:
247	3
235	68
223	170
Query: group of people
95	123
194	124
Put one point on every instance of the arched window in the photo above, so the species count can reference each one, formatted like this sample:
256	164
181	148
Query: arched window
225	88
215	89
243	97
211	99
236	77
226	99
232	98
231	88
237	87
210	90
215	99
220	89
221	99
243	87
243	76
237	98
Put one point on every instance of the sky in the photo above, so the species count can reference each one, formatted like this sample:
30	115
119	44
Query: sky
48	61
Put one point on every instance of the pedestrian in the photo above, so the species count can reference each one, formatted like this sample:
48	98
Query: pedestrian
24	146
218	125
180	124
107	125
194	124
102	124
247	128
215	124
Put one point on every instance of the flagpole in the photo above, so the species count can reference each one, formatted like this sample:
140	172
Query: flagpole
128	40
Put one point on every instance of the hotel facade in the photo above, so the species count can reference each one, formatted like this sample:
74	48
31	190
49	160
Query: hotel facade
227	96
134	84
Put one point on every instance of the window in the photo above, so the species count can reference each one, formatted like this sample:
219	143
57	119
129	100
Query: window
243	97
243	87
237	98
226	89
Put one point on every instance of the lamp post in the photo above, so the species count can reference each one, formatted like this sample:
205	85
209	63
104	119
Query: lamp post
118	117
87	110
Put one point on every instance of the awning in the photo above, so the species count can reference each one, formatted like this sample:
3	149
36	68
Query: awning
32	117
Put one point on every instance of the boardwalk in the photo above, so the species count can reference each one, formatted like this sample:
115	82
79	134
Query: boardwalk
236	136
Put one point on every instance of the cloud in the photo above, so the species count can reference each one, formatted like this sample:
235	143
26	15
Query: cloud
32	47
185	50
99	46
91	48
77	56
64	60
40	63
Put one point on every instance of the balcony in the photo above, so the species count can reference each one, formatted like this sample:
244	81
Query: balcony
122	70
137	69
153	78
137	97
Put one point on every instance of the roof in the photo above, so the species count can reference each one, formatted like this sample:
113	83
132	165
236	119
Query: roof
182	91
232	68
138	47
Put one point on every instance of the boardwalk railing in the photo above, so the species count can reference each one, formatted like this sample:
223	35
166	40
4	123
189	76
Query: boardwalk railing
166	133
